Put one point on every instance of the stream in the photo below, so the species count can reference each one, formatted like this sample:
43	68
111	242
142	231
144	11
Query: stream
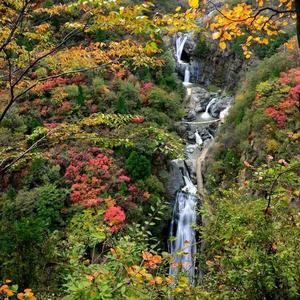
205	111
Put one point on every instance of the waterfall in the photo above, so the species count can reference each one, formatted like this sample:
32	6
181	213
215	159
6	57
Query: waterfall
183	242
183	245
199	140
224	113
206	114
180	42
187	74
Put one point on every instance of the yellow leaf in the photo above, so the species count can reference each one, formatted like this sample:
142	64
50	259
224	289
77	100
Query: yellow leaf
222	45
158	280
227	36
194	3
216	35
178	8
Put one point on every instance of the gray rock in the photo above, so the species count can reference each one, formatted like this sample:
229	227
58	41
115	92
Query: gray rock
220	105
191	115
176	181
181	128
199	109
191	135
191	165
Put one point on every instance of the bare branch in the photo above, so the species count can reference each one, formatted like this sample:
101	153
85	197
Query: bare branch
270	192
25	152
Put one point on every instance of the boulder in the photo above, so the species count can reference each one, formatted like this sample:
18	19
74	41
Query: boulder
219	105
176	181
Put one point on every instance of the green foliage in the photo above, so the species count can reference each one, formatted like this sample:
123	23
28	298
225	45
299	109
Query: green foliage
41	172
169	103
128	97
80	96
27	232
138	166
109	120
261	51
37	134
252	253
213	88
201	50
247	129
158	117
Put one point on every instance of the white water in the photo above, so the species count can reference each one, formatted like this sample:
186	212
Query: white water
199	140
180	42
224	113
183	248
206	114
187	75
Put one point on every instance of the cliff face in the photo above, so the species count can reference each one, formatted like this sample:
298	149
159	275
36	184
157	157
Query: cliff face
211	65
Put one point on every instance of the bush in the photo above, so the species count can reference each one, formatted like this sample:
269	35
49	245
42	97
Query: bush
253	254
128	97
26	227
158	117
257	91
168	103
201	51
138	166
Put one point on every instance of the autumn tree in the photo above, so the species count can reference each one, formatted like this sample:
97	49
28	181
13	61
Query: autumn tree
260	20
34	33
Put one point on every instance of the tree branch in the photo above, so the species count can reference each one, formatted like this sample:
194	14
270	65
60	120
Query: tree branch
13	100
19	19
270	192
257	13
25	152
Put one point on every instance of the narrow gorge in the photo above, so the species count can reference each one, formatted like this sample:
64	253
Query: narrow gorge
205	111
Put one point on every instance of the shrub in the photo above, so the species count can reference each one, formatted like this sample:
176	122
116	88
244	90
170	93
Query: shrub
249	248
138	166
128	97
168	103
201	49
72	91
158	117
26	228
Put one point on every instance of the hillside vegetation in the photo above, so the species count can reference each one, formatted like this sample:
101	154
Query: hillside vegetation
89	102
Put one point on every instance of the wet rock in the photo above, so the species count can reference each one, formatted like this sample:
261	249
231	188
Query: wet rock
191	166
181	128
199	109
219	105
201	97
205	134
191	135
176	181
191	116
190	149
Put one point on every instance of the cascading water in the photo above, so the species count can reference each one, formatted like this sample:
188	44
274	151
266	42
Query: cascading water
187	75
183	242
180	42
198	138
206	114
224	113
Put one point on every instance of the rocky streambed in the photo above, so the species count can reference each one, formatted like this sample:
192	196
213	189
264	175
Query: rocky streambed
204	112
